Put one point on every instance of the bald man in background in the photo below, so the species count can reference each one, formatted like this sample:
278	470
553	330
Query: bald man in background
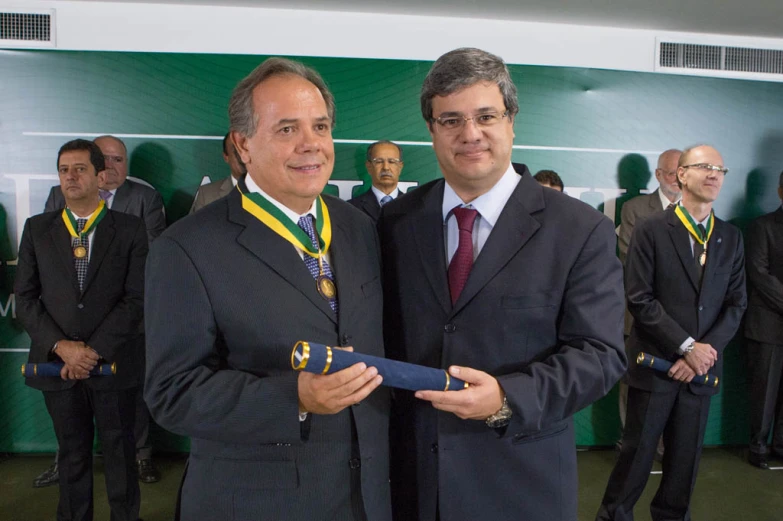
634	212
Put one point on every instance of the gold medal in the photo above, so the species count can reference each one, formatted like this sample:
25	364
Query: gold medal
703	258
79	252
326	287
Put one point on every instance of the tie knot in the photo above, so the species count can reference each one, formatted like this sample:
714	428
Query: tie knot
671	205
703	230
105	194
465	218
386	199
80	223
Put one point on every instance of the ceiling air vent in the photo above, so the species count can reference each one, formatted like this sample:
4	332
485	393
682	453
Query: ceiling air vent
26	29
727	61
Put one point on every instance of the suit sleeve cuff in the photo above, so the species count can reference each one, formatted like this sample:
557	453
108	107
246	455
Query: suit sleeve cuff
688	341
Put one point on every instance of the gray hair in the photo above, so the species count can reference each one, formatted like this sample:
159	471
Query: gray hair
462	68
382	142
241	114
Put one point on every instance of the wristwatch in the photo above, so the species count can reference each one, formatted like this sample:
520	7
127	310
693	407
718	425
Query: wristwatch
687	349
500	418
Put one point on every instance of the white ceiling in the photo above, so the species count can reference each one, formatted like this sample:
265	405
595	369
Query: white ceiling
760	18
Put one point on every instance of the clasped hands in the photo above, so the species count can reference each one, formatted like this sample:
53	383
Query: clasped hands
699	361
78	357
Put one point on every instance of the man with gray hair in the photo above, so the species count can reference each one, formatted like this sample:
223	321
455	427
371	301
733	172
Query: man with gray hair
384	164
510	286
268	443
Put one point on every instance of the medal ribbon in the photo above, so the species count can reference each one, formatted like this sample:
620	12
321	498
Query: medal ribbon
72	226
266	212
693	228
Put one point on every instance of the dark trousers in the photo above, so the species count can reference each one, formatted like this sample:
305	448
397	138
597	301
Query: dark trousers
681	417
72	411
765	367
141	428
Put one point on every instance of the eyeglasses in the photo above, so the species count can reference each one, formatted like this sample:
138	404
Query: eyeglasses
455	123
707	166
381	160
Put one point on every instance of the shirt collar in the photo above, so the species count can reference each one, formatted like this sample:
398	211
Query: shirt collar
253	187
234	181
488	205
380	195
665	200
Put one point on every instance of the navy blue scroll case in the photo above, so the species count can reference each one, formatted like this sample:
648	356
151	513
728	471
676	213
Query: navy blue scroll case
54	368
663	365
321	359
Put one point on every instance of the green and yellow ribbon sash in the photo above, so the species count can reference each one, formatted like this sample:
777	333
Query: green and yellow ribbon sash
72	225
266	212
693	228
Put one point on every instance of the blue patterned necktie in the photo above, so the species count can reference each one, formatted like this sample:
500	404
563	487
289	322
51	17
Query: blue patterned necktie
81	264
306	223
385	199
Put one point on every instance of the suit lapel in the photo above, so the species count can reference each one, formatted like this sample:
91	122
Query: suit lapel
102	239
275	252
682	245
62	241
371	205
340	252
714	250
513	229
122	198
426	226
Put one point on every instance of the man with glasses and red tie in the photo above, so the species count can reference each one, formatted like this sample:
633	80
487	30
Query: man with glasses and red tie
384	164
510	286
685	286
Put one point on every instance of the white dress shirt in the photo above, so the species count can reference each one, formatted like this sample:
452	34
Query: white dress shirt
488	205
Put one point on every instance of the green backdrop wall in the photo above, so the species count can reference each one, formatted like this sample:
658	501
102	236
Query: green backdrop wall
601	130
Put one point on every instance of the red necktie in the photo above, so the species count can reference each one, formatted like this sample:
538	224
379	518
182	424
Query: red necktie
462	261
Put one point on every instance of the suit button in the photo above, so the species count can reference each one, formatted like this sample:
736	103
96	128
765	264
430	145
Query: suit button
450	328
355	463
434	448
344	339
701	308
80	305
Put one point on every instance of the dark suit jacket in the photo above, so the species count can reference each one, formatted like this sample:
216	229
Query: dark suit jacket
131	197
764	319
542	311
634	212
107	315
368	203
227	300
211	192
668	306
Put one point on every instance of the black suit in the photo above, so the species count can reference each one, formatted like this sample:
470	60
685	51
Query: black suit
130	197
218	367
368	203
670	304
107	316
142	201
764	330
542	311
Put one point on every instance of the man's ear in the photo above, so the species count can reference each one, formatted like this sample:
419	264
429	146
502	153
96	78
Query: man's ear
240	145
101	178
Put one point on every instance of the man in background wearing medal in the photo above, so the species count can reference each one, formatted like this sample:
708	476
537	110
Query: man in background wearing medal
685	286
268	443
79	294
